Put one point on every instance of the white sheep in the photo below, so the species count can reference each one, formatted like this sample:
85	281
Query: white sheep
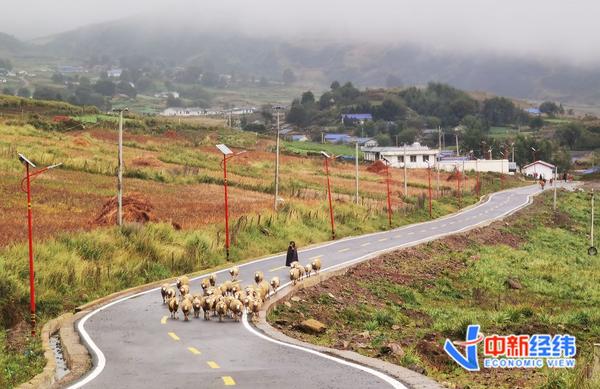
163	292
236	307
173	307
197	305
183	280
258	277
234	272
213	279
294	275
316	265
308	269
186	308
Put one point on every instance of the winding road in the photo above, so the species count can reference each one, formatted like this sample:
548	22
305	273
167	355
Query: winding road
135	345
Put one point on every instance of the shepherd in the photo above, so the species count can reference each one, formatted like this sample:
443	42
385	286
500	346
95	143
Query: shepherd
292	254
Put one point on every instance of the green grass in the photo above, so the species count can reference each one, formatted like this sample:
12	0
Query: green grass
457	283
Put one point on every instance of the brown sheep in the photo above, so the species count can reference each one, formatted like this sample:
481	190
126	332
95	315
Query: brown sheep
173	307
316	265
294	275
258	277
213	279
308	268
205	284
184	289
163	292
236	307
275	284
170	293
234	272
263	290
208	305
221	309
254	307
197	305
186	308
183	280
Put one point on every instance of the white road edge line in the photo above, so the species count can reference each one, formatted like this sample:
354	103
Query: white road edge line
393	382
101	360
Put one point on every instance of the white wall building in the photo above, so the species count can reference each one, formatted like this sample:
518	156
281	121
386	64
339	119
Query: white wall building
539	169
417	156
476	165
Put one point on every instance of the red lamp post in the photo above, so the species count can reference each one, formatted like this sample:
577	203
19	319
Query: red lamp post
227	155
27	180
327	158
389	198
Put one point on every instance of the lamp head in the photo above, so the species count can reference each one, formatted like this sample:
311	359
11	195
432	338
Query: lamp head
24	160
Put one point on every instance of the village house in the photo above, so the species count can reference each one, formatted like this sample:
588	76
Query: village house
414	155
539	169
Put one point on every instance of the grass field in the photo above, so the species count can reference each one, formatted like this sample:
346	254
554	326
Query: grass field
312	148
178	171
418	297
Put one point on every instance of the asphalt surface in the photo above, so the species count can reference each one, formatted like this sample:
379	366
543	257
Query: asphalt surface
136	346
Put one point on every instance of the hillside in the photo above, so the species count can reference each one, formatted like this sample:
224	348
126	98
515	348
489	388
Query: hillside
322	61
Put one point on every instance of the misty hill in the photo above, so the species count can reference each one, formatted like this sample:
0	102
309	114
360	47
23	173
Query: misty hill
10	44
366	64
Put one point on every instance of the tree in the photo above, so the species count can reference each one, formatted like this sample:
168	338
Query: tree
307	98
6	64
58	78
549	108
48	93
190	75
536	122
126	88
288	76
210	79
8	91
297	114
326	101
263	82
173	101
569	134
391	109
499	111
105	88
335	85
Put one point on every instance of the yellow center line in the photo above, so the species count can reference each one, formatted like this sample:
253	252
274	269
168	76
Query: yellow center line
318	256
343	250
410	233
164	320
228	381
213	364
172	335
194	350
365	244
277	268
398	236
382	239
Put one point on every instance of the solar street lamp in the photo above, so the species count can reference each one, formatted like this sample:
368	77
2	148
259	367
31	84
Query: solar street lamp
227	155
592	250
502	170
327	159
277	108
27	189
429	179
534	159
389	199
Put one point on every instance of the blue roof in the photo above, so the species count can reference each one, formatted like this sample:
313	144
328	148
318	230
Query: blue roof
336	136
533	111
357	116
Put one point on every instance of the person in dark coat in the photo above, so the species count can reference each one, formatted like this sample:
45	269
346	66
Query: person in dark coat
292	254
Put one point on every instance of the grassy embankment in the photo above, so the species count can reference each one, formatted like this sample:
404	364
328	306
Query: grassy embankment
418	297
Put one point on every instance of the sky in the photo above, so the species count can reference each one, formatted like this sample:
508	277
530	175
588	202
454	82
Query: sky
565	30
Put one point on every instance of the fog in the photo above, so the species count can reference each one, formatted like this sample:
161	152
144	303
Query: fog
550	29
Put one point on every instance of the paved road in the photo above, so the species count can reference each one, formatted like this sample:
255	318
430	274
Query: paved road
137	347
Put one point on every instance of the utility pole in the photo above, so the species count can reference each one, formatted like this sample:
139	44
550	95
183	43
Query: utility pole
389	200
592	250
327	158
437	162
429	178
405	173
554	185
275	200
356	168
120	169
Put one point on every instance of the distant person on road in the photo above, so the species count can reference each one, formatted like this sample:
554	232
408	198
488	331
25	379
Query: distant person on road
565	176
292	254
542	183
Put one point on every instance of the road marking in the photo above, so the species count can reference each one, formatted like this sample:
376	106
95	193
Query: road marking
410	233
194	350
365	244
434	228
398	236
344	250
164	320
443	225
228	381
172	335
382	239
318	256
451	222
277	268
101	363
213	365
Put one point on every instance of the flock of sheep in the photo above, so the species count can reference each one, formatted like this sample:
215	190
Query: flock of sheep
228	298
